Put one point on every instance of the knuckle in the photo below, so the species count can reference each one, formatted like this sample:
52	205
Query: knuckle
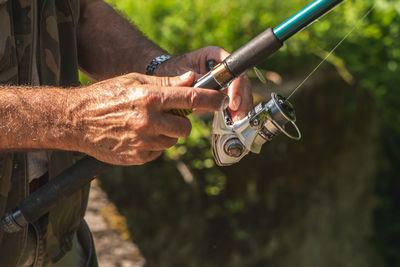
186	129
213	47
194	97
144	124
152	99
131	76
165	81
171	142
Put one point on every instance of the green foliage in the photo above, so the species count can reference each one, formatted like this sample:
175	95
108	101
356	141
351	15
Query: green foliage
369	57
371	53
195	151
84	79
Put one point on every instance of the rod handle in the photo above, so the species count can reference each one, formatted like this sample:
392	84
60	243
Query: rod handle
46	197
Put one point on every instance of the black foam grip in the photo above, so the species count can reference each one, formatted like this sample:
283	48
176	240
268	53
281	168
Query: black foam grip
252	53
64	185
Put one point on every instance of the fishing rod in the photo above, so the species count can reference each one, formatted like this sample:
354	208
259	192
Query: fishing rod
230	141
263	46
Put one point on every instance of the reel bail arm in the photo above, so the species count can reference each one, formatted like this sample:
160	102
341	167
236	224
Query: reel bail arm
231	142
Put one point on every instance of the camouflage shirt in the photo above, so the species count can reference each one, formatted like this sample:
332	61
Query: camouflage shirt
41	32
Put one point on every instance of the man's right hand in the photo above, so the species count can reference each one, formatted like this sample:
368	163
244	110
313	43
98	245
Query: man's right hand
126	120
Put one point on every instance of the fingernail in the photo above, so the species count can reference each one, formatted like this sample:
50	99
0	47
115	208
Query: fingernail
236	102
225	103
185	76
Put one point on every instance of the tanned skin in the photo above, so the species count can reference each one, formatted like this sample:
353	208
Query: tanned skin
123	119
108	45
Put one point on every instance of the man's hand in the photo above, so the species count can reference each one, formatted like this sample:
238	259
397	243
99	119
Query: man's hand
126	120
108	46
240	93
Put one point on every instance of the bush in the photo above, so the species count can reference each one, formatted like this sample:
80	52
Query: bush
368	58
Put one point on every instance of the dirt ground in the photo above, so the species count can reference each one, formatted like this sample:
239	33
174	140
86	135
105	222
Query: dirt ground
111	238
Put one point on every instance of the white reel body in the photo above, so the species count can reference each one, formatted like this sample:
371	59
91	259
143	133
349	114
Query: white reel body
232	141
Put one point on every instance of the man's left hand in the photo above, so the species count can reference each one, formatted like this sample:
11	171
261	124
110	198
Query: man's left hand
239	91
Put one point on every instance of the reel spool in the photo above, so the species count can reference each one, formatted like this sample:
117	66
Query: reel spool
232	141
279	112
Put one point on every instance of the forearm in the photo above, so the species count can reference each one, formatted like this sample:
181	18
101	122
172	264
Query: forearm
34	119
108	45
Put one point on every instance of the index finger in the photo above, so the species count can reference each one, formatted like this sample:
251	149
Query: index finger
193	98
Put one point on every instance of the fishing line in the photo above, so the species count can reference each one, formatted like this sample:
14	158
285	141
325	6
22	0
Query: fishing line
332	51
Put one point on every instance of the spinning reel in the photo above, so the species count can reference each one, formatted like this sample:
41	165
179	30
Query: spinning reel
232	141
